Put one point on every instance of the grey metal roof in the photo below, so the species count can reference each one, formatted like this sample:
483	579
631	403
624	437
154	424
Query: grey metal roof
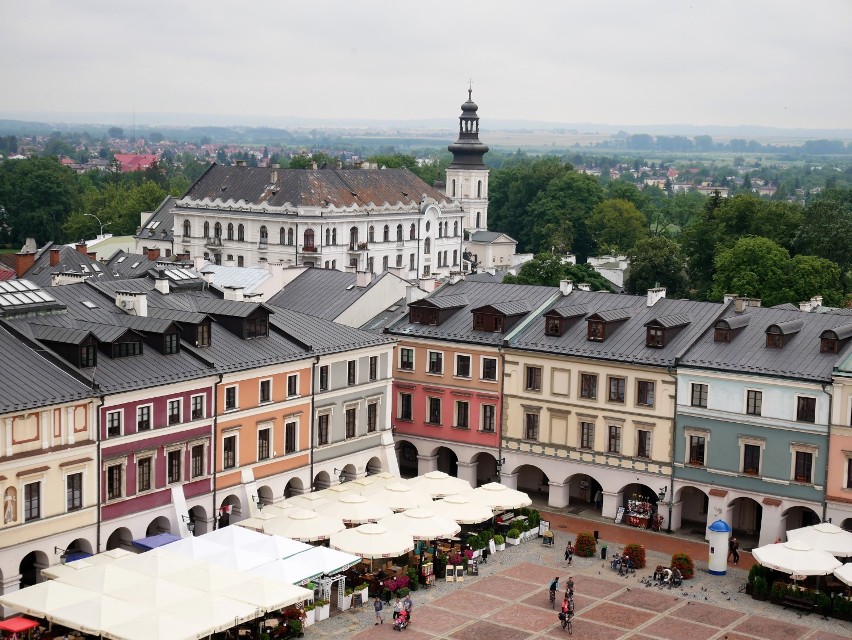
249	278
485	236
746	352
24	296
160	225
146	324
324	336
107	332
183	317
612	315
842	332
569	310
443	302
736	322
459	325
787	328
322	293
64	335
70	261
788	306
626	341
386	318
670	322
312	188
31	381
128	265
509	307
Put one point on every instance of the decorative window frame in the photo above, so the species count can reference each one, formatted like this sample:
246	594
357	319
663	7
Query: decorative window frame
151	425
803	447
72	471
580	395
105	465
232	433
456	404
608	399
758	442
745	401
637	403
456	373
482	377
796	407
260	426
120	413
203	406
205	464
181	449
141	455
271	382
413	359
236	406
688	432
169	402
553	386
429	371
289	377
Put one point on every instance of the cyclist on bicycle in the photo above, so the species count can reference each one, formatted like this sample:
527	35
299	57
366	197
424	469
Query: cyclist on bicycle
553	587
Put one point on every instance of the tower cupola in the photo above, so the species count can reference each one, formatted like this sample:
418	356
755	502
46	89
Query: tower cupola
468	149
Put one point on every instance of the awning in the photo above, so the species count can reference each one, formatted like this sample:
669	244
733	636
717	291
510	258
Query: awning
159	540
17	624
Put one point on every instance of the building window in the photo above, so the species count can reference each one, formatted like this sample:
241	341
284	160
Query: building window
114	482
434	411
596	331
829	345
351	414
804	467
399	260
229	452
174	411
462	415
588	386
616	390
323	378
587	435
290	237
256	327
265	390
533	379
292	385
699	395
374	367
436	362
645	393
202	333
197	460
172	343
290	437
174	471
751	459
322	429
113	424
614	442
241	261
230	231
197	407
32	501
849	473
372	417
73	491
264	437
230	398
462	366
655	337
143	417
406	359
144	468
531	426
721	334
643	449
351	377
489	412
412	232
754	402
489	369
88	356
805	409
696	450
552	326
241	233
308	240
405	407
127	349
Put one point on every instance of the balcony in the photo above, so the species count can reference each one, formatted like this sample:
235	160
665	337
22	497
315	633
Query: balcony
309	249
215	241
263	245
357	247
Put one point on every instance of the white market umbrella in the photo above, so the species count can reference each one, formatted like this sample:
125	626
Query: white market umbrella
844	573
372	541
331	561
422	524
304	525
258	523
159	626
98	614
335	492
59	570
355	509
499	497
40	598
398	497
307	501
366	485
825	536
156	563
438	484
796	557
461	509
106	557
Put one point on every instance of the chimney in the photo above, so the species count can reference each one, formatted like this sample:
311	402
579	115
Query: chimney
412	293
153	254
314	165
805	305
134	303
241	163
455	277
816	301
398	271
92	254
584	286
81	247
54	255
753	302
655	295
566	286
234	293
427	284
161	282
740	304
207	276
363	279
728	298
23	262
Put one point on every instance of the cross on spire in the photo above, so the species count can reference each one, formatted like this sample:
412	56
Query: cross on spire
470	89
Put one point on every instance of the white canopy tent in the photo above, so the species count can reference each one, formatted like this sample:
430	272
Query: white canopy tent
421	524
44	596
372	541
461	509
331	561
156	594
292	570
335	492
398	496
159	626
157	563
355	509
439	484
370	484
265	594
104	579
499	497
307	501
304	525
825	536
192	547
59	570
844	573
98	613
212	613
797	558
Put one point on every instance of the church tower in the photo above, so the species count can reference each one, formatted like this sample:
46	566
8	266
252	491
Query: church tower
467	176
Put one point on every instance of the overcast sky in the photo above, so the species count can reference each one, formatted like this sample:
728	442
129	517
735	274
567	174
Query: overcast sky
783	63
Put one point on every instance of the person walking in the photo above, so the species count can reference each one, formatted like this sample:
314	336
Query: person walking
397	608
733	551
378	606
569	587
569	553
598	499
408	605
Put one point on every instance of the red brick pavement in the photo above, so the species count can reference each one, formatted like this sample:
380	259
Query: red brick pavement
621	534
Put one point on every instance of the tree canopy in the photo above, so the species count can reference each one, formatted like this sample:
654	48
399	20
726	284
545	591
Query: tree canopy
657	261
546	269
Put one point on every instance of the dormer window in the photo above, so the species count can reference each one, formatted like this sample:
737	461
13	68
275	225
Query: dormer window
257	326
774	340
777	335
88	355
171	343
202	335
597	330
127	348
553	326
721	334
832	340
655	337
661	330
829	345
419	315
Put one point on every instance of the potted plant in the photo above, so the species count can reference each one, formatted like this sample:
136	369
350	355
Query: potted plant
761	589
684	564
513	536
346	601
413	579
475	544
584	546
776	594
323	610
637	554
295	628
310	614
364	588
499	542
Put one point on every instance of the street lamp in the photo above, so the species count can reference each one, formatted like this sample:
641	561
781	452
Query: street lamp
64	557
341	475
500	463
102	224
258	502
190	524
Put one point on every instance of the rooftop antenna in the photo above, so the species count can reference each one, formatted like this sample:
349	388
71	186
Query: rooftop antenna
470	89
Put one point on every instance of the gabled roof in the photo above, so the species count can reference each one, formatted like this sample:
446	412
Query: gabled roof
311	188
160	224
568	311
736	322
508	308
63	335
670	322
612	315
488	237
338	293
108	332
442	302
147	324
70	261
128	265
788	328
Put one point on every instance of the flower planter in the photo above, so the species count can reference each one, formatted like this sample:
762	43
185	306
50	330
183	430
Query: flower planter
365	596
322	612
310	617
513	541
346	602
500	547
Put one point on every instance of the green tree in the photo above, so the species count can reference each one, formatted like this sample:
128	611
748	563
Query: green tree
115	132
616	225
657	261
826	229
546	269
755	267
394	161
811	276
699	241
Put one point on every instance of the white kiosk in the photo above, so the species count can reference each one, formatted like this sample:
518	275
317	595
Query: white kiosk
720	533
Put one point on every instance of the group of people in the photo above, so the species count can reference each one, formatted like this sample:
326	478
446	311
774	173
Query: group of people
666	576
623	564
567	608
402	607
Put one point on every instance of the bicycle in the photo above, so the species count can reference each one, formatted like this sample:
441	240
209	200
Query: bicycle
565	619
552	599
